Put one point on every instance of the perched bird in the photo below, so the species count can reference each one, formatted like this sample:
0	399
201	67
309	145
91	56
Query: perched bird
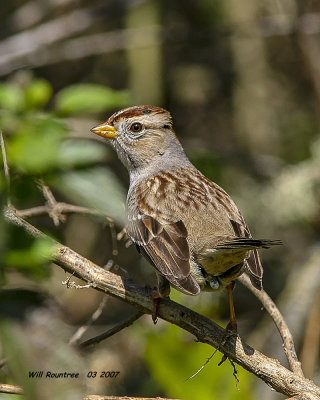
185	225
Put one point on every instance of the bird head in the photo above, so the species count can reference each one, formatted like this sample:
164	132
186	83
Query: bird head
141	135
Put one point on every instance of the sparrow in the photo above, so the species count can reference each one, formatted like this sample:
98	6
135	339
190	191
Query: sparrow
184	224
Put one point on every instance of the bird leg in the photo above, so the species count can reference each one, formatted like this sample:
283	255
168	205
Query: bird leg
158	294
232	325
156	302
231	328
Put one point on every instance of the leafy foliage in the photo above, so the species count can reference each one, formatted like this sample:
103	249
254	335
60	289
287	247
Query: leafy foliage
31	258
88	98
38	145
173	357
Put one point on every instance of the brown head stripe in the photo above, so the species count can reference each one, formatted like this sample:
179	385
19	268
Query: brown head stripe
135	112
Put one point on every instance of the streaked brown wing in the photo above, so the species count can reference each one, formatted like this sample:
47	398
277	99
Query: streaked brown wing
166	247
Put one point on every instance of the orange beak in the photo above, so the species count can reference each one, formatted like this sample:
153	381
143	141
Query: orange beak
105	130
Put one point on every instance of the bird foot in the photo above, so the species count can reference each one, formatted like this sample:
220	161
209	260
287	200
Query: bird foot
230	331
232	327
156	298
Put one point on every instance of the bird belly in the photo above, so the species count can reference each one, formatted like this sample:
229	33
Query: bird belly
215	262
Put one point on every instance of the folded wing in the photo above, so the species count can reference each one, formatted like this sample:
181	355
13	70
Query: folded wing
166	247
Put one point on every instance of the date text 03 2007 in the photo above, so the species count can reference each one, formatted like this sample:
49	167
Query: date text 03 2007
103	374
74	375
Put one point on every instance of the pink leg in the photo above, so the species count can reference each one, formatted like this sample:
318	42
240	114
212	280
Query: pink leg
232	325
157	295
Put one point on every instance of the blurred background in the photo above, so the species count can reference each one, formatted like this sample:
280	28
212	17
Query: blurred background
242	81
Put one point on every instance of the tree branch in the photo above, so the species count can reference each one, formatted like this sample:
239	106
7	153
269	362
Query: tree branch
205	330
58	207
80	331
123	324
280	323
11	389
5	165
99	397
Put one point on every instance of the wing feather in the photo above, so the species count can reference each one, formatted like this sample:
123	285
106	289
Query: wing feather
165	245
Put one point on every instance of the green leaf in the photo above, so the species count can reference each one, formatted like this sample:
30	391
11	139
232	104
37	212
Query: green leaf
80	152
89	98
173	357
38	93
96	188
35	147
11	97
32	258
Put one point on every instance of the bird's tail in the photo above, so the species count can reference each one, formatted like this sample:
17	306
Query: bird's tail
247	244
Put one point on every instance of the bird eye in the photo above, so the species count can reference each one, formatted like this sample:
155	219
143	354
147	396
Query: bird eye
136	127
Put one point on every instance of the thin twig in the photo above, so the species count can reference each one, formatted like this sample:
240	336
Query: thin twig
14	389
99	397
60	207
11	389
205	330
280	323
121	234
227	334
202	366
54	213
113	236
113	331
47	193
72	285
80	332
235	373
5	166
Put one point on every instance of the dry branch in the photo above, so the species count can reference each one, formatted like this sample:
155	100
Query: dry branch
58	208
119	327
5	165
11	389
80	331
98	397
281	324
205	330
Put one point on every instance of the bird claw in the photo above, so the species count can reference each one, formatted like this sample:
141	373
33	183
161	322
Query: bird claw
156	302
232	328
223	359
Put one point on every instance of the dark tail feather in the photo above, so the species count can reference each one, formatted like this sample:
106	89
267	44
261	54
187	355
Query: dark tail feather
248	243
